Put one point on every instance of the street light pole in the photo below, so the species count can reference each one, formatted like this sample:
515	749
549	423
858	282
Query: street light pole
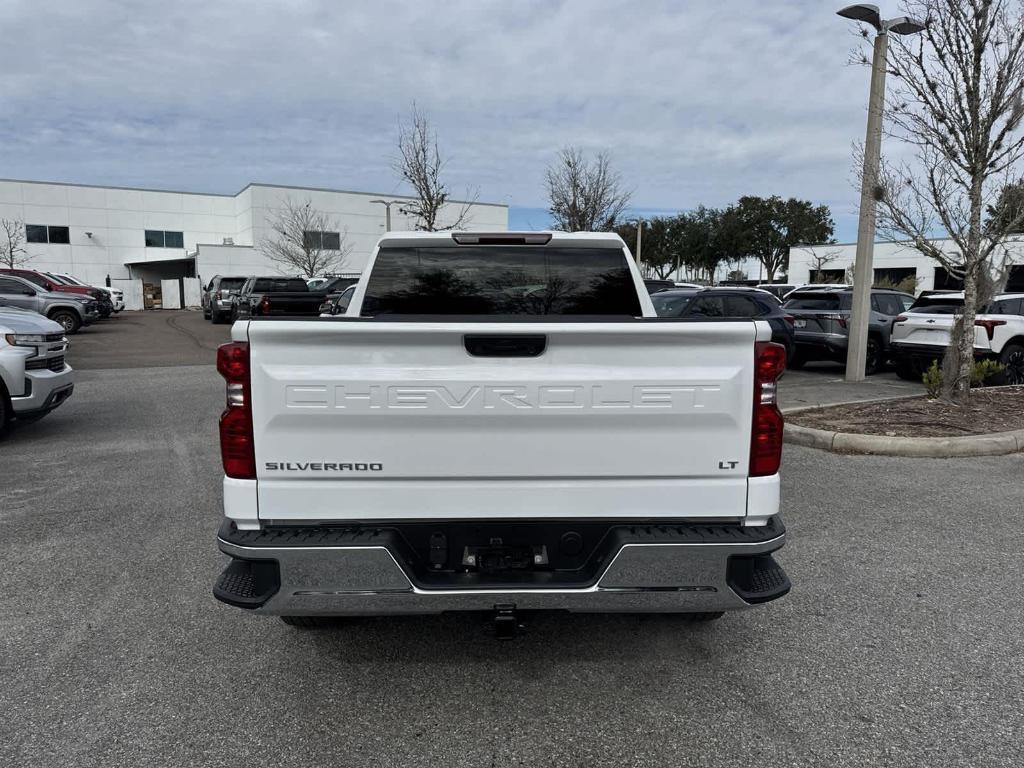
863	275
387	211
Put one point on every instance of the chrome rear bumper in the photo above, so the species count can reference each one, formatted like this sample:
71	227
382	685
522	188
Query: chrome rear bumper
697	574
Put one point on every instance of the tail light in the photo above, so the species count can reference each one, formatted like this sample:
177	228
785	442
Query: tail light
790	319
900	319
841	319
989	325
766	433
264	306
236	442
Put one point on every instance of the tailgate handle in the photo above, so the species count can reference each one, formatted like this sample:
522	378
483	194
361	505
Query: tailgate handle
493	345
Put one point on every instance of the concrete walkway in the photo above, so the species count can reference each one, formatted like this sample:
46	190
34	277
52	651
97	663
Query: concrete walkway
823	384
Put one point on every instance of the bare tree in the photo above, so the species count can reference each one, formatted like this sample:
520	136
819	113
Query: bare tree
421	164
817	263
957	103
305	241
584	195
12	243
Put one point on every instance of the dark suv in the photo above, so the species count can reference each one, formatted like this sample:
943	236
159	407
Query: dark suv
728	303
821	323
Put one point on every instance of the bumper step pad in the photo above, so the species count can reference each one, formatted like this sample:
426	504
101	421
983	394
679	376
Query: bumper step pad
757	578
247	583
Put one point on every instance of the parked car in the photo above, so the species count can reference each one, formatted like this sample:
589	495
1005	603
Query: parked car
654	286
921	334
34	375
276	296
337	303
71	310
814	287
821	319
218	297
519	457
104	305
116	295
729	302
778	290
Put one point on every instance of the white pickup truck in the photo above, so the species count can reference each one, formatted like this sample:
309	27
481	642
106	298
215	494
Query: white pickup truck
500	423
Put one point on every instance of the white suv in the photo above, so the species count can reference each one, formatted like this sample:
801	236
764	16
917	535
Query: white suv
921	334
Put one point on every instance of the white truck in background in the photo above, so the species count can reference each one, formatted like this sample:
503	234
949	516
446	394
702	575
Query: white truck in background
500	423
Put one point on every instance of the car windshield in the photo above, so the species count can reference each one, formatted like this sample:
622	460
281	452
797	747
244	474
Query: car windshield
670	304
500	280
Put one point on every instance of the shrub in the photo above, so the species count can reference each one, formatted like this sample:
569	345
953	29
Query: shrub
932	380
982	371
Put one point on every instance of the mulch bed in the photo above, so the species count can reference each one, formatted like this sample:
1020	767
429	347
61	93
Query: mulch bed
989	410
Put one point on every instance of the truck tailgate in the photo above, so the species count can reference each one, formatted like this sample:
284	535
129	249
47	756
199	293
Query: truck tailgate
368	420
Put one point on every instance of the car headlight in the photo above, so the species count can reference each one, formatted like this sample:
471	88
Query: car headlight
24	339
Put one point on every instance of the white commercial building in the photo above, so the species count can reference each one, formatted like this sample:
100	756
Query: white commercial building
893	262
135	236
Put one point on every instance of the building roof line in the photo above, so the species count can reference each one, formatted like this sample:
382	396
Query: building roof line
236	194
1013	237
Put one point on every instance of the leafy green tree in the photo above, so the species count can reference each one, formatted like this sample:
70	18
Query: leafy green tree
659	246
767	227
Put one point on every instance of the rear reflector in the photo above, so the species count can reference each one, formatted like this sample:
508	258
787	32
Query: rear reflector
236	440
767	423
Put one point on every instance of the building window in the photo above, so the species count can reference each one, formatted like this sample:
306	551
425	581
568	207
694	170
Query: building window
322	241
904	278
40	233
827	275
157	238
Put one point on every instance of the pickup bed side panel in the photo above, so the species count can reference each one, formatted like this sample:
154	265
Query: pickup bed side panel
357	420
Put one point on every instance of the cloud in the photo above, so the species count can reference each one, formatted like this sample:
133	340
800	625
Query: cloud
697	102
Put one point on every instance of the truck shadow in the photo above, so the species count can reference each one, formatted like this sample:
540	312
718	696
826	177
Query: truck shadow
542	638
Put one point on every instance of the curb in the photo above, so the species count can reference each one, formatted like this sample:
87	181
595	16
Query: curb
995	444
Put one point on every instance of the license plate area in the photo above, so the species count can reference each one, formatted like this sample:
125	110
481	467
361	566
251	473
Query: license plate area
798	323
496	557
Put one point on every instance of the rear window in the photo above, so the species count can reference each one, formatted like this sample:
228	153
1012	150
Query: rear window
500	280
670	304
924	303
937	309
827	301
279	285
230	283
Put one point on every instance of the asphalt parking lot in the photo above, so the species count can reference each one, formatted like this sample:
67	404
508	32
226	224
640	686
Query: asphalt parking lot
900	644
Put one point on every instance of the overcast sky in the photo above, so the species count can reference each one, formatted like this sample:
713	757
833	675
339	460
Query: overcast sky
697	102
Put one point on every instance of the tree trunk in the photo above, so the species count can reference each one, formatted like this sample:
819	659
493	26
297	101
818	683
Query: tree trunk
959	390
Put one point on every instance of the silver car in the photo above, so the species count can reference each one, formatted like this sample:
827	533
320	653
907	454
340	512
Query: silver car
34	375
71	310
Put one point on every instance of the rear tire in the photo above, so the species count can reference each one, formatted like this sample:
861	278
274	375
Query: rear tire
873	357
309	622
1013	358
906	370
215	317
207	314
68	319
